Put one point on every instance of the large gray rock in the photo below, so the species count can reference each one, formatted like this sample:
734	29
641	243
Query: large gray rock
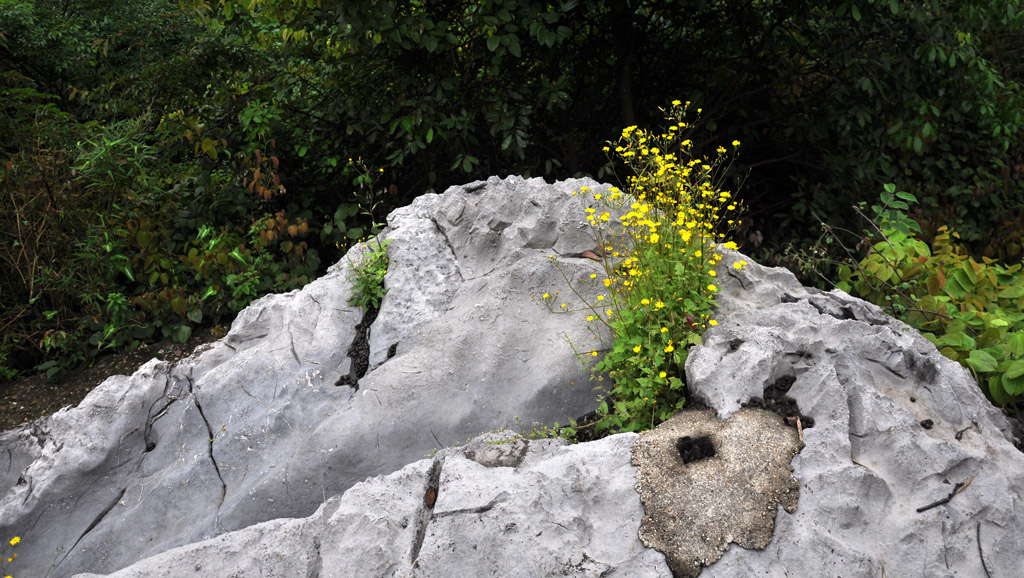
501	506
896	428
253	428
885	426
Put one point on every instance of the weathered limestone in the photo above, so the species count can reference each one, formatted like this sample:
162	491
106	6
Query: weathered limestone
247	459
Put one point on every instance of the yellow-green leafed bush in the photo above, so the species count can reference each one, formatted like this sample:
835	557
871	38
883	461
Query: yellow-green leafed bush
660	268
971	311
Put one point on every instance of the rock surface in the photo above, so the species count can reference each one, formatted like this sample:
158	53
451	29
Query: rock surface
896	427
889	428
255	429
706	483
558	511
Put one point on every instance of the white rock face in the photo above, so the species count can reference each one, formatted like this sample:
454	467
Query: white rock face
254	427
897	427
303	478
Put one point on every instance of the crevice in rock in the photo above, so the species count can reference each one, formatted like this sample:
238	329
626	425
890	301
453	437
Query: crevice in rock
210	438
231	340
318	561
359	351
739	278
427	510
830	305
95	522
451	248
291	345
478	510
154	417
776	400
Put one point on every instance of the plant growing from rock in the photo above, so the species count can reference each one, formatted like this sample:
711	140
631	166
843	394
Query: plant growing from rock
660	268
368	277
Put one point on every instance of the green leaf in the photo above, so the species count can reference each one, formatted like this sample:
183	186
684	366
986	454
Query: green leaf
1015	341
493	42
855	12
1015	370
1014	292
513	46
996	390
982	361
237	256
430	135
180	333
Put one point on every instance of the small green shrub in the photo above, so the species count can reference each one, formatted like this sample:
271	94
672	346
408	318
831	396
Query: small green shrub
971	311
368	277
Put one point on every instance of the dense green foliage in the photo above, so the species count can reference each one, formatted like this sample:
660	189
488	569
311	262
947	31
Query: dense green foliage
367	277
971	311
163	163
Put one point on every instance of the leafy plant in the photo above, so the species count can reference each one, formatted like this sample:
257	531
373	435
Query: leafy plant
971	311
368	277
536	431
660	269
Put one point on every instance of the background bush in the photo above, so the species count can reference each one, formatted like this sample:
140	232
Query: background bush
163	163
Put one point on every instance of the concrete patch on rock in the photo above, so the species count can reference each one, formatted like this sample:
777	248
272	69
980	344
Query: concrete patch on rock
706	482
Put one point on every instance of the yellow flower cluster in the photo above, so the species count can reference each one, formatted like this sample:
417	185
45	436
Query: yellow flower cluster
9	559
679	213
660	263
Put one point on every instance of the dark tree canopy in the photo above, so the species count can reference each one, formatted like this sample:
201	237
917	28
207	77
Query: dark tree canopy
165	163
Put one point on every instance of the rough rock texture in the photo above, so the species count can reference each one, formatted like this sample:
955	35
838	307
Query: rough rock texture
559	511
706	482
872	460
207	454
254	428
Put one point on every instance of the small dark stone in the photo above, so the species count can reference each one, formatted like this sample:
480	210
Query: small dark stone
927	424
913	399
